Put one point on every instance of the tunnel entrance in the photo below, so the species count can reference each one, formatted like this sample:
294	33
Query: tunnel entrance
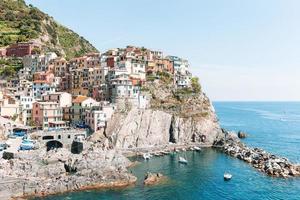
54	144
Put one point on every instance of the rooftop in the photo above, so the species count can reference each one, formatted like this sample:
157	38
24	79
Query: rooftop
79	99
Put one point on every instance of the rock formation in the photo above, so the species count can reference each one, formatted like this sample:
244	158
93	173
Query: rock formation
242	134
171	117
153	178
42	173
265	162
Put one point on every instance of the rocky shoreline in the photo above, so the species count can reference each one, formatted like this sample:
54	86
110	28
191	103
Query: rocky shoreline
97	186
41	173
265	162
163	150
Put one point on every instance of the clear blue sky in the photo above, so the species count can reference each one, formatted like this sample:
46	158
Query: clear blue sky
240	49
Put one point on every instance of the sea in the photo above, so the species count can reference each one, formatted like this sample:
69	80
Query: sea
273	126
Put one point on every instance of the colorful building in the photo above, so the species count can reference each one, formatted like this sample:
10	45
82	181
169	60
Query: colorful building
97	117
79	105
48	115
21	49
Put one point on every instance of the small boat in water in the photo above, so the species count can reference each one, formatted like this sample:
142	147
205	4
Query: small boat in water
197	148
146	156
182	160
227	176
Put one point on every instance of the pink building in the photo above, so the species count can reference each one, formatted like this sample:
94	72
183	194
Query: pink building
48	77
21	49
47	115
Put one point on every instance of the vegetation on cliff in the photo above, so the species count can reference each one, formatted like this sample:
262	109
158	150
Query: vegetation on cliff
184	102
10	67
21	23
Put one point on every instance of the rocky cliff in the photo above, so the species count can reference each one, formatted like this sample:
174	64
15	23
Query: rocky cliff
178	116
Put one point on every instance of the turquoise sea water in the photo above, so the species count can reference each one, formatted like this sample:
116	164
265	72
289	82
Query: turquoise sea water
272	126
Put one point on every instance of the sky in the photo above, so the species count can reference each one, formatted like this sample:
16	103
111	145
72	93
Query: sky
241	50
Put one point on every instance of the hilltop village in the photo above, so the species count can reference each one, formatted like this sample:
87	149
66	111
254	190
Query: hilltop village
50	94
70	125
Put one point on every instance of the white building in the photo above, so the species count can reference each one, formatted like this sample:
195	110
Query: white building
36	63
153	55
9	107
96	118
40	88
26	109
180	65
64	99
136	68
121	88
183	81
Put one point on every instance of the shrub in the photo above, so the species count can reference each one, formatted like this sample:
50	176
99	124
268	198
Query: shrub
195	85
165	77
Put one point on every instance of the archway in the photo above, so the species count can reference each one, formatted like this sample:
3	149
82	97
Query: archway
54	144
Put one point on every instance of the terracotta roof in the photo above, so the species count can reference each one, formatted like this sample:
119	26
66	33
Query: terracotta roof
80	99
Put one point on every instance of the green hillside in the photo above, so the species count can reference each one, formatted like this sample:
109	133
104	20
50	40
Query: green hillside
21	23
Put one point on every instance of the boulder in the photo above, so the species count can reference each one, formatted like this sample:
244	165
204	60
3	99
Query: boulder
153	178
242	134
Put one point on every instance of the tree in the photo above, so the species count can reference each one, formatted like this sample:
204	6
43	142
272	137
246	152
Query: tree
10	16
14	117
5	40
32	123
22	38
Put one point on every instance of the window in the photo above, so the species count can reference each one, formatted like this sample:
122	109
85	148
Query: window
69	136
48	137
59	137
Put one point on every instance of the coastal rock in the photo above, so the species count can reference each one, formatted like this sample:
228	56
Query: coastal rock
265	162
174	116
196	130
41	173
142	128
149	128
153	178
242	135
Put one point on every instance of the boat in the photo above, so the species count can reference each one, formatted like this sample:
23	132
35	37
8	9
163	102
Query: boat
157	154
197	148
182	160
146	156
27	145
227	176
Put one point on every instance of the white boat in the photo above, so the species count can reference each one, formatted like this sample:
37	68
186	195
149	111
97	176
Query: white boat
197	148
227	176
182	160
146	156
